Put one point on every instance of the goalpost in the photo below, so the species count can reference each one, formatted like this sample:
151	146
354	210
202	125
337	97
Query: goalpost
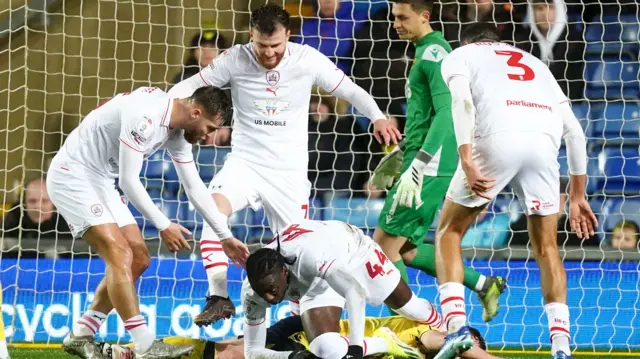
58	66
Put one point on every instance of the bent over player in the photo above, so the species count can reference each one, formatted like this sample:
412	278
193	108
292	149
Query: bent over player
328	265
271	81
510	116
111	143
427	159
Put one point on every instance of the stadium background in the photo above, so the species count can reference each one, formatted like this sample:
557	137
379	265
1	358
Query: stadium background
60	58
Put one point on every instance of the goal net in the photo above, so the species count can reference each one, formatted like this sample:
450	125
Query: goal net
58	60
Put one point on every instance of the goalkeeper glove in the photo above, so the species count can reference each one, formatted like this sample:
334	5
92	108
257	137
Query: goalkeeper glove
387	170
410	184
354	352
302	354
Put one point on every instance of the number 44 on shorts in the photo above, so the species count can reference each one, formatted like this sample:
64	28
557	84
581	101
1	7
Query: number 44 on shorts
375	269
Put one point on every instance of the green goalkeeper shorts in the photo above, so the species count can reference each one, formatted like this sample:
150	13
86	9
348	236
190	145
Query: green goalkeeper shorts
410	222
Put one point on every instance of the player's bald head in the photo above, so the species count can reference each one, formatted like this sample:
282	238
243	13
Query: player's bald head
417	5
269	18
479	32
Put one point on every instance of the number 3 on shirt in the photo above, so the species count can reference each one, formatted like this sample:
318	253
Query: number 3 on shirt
375	269
514	61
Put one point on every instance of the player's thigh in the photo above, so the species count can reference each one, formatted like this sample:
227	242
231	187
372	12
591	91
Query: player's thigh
537	182
237	182
78	197
285	197
321	320
543	234
456	218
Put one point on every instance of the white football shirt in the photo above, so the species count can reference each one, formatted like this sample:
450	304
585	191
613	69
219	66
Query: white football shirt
138	119
271	107
512	90
314	246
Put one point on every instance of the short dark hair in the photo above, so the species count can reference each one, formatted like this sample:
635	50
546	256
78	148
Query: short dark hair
417	4
214	100
262	263
266	18
476	336
480	31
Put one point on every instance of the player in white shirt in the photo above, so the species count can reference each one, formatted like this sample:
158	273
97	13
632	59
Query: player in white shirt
327	265
510	116
271	81
111	143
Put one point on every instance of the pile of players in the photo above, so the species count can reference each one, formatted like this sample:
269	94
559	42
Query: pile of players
479	118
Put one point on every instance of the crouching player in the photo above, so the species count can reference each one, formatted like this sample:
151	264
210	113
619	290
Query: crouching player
327	265
288	335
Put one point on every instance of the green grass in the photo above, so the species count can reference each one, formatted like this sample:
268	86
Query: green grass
59	354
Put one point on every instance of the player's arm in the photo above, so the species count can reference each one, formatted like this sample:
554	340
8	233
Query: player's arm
199	196
581	217
255	327
217	74
334	81
348	287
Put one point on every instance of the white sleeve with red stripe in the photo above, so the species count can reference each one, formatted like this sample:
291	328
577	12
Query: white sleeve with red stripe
346	285
201	199
255	326
131	160
572	134
218	74
333	80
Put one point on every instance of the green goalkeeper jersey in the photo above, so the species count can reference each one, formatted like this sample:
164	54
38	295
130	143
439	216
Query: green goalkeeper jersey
429	125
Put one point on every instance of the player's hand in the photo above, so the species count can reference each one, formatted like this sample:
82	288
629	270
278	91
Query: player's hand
387	170
478	183
354	352
386	132
173	238
237	251
302	354
409	189
582	219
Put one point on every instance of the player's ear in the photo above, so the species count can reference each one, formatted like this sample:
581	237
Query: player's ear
288	34
426	15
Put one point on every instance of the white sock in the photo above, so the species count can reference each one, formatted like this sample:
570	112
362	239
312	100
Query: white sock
89	323
375	345
329	345
421	310
558	320
4	352
453	306
215	262
142	337
480	284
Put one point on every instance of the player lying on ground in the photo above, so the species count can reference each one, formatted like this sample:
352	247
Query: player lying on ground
427	159
510	116
271	81
327	265
288	335
111	143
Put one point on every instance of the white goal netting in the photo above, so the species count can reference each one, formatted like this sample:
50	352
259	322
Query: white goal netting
60	58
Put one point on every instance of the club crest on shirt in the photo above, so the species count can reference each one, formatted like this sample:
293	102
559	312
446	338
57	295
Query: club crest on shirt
271	107
97	210
273	77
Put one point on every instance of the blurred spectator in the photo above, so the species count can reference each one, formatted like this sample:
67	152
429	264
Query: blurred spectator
204	48
625	235
454	15
382	61
332	31
337	150
557	43
566	237
490	230
220	138
37	217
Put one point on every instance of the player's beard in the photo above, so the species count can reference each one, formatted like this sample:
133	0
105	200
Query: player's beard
271	63
191	137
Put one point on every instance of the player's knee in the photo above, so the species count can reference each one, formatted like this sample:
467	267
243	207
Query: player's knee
141	260
120	256
329	346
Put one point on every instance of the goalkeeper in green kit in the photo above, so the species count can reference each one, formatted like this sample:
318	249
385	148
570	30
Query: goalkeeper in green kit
426	159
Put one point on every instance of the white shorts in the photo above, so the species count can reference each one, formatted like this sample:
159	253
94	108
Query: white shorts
283	194
378	276
83	198
526	161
